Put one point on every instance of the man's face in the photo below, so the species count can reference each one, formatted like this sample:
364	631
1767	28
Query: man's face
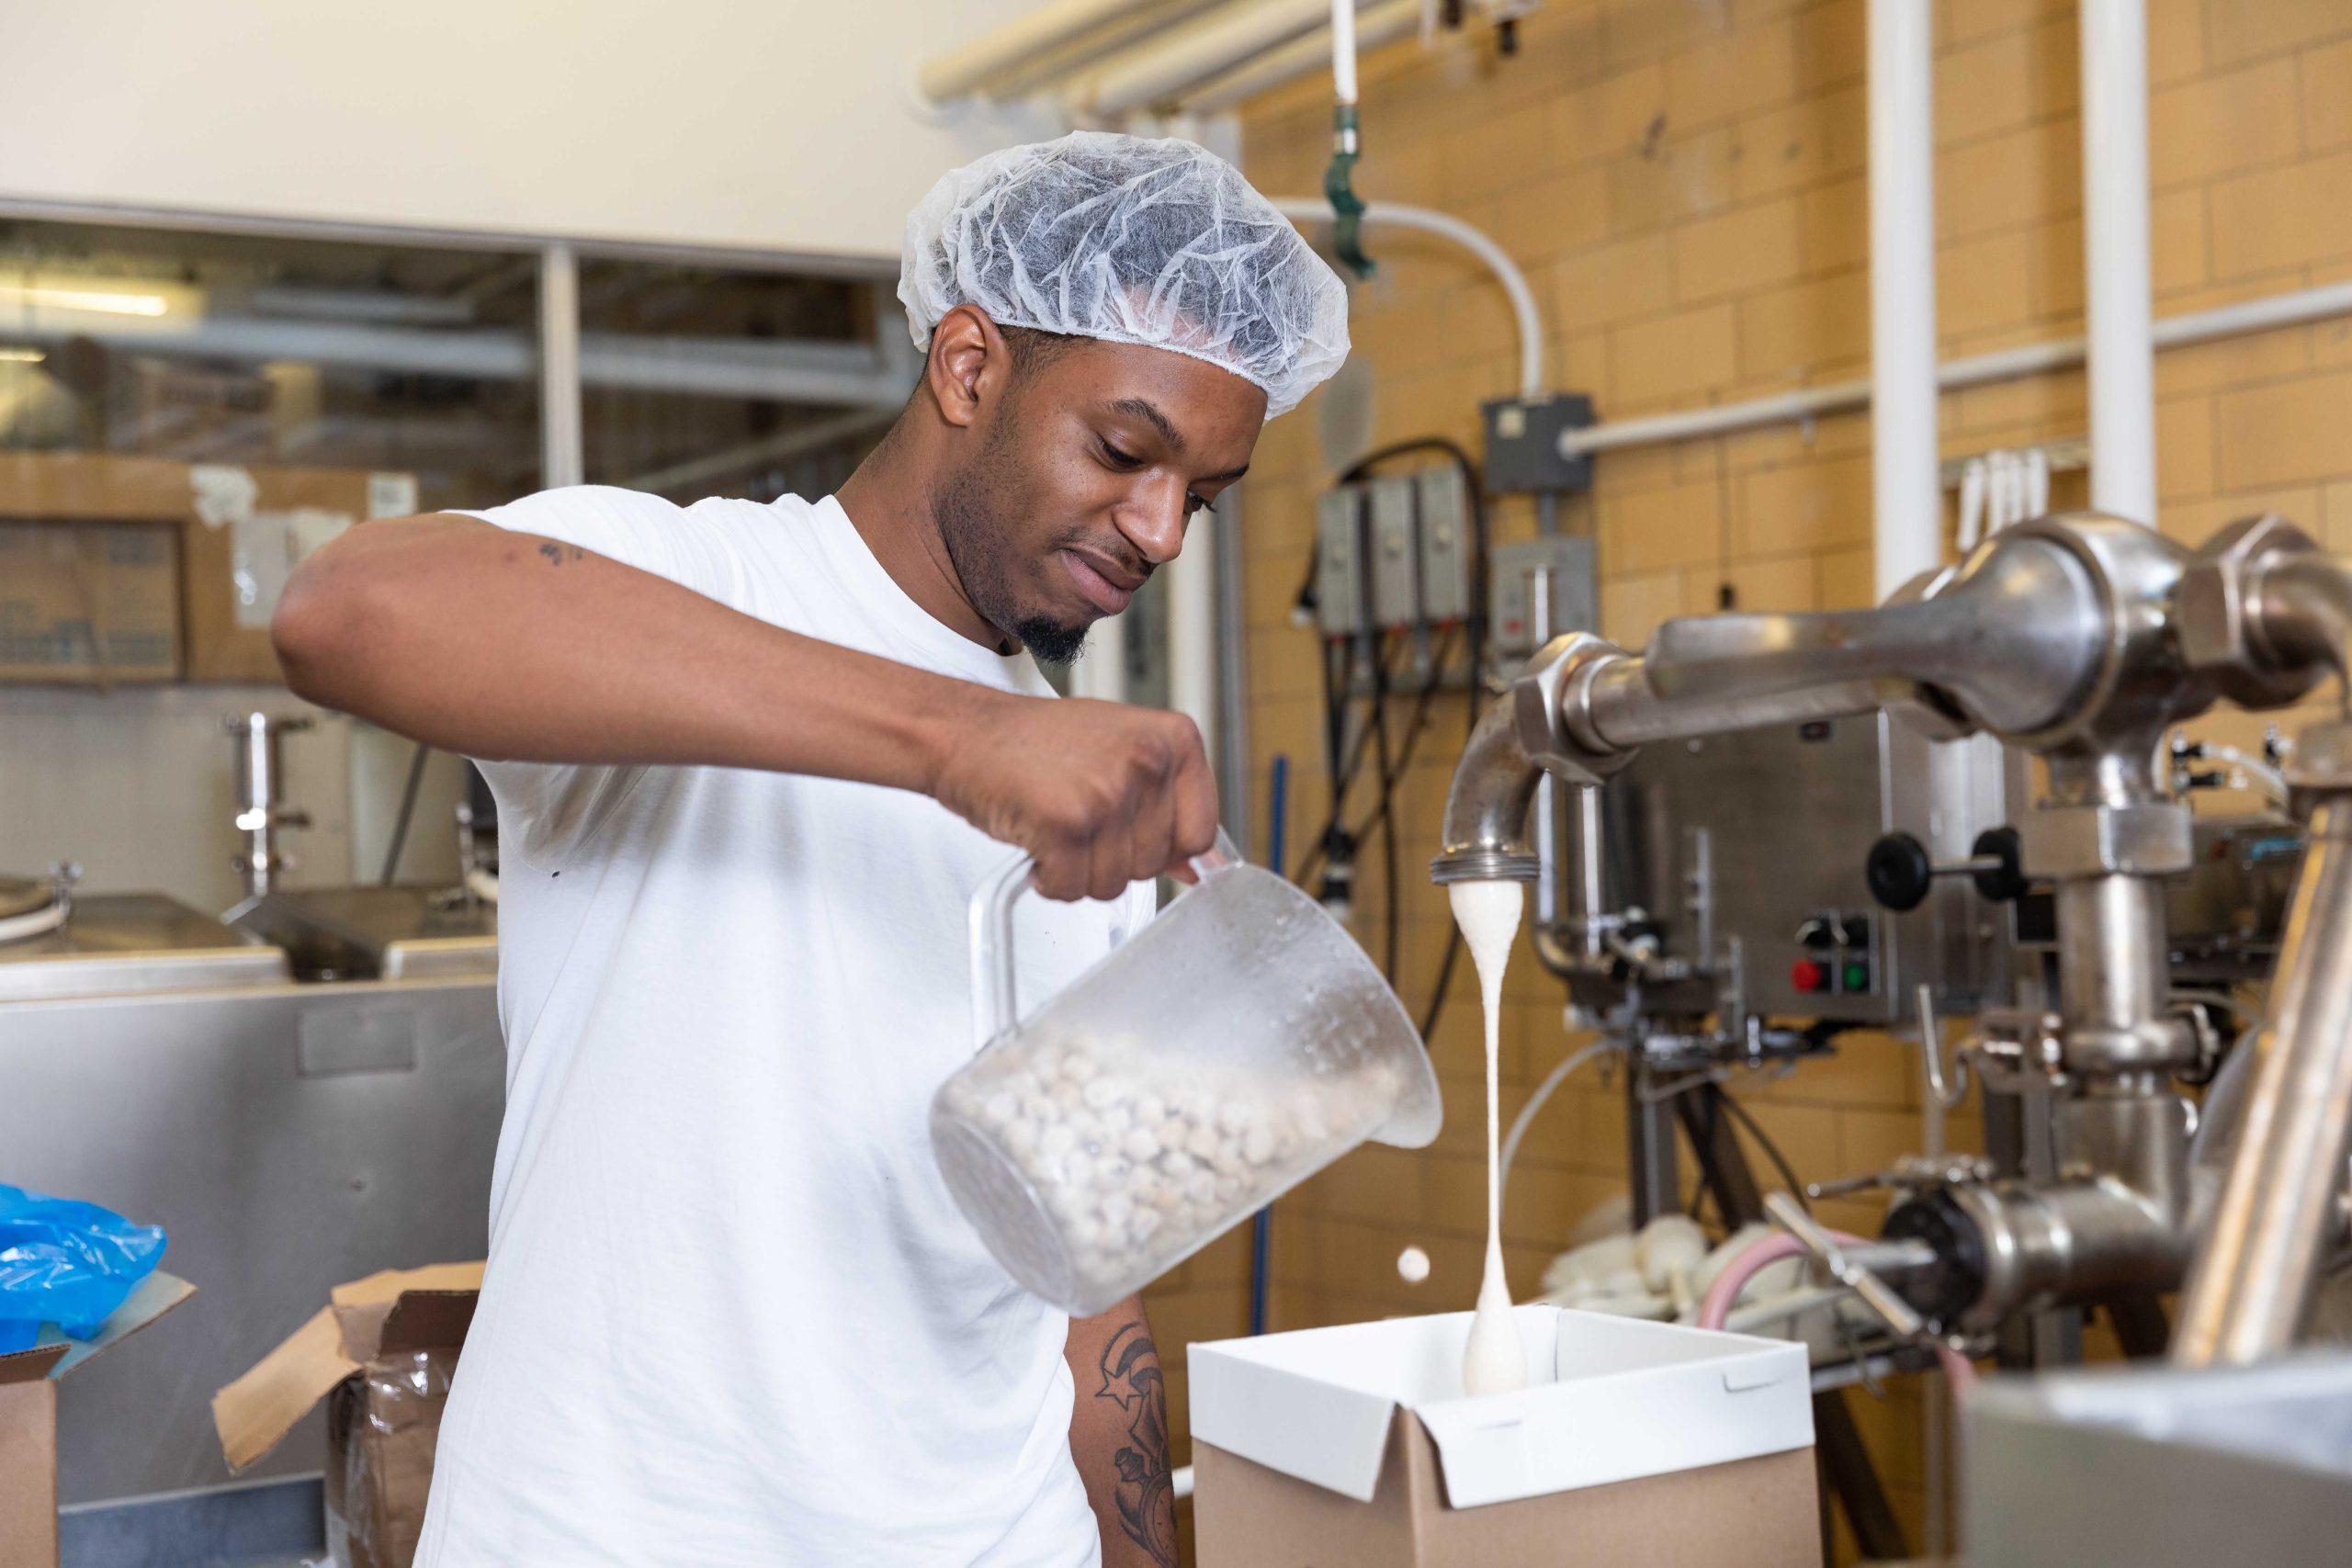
1080	486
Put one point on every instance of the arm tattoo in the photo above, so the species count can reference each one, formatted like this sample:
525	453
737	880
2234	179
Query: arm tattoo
559	555
1147	1491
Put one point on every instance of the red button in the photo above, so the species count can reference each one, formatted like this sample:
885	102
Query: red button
1807	975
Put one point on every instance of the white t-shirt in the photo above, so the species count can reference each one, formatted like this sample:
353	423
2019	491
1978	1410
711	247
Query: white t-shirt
731	1316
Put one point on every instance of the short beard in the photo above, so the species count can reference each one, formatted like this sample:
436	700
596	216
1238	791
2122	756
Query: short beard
968	512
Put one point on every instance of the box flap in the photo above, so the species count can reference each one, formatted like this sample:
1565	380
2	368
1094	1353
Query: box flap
155	1295
29	1365
383	1313
1616	1398
425	1320
52	1355
253	1413
1627	1398
1316	1404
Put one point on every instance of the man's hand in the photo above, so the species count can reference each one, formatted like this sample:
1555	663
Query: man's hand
1102	794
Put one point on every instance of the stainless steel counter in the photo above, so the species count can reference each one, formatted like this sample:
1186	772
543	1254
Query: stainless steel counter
287	1137
377	932
131	943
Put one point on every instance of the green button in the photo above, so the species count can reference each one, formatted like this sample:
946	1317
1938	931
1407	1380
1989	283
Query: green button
1858	977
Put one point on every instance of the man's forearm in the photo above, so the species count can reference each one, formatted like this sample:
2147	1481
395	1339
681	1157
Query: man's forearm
468	636
1118	1436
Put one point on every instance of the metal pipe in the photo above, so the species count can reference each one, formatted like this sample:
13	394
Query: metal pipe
2113	983
1907	512
1155	70
970	67
2252	1282
2301	609
2294	308
1622	711
1591	848
1381	23
809	371
2115	257
1428	220
562	458
1486	806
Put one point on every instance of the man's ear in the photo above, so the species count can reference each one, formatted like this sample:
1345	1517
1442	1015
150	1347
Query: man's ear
968	366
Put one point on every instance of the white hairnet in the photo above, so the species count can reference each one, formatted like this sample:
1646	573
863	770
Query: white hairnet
1158	242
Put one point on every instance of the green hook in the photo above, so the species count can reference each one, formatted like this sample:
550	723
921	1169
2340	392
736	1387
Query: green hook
1347	207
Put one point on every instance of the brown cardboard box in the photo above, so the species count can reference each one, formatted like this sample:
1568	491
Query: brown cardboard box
89	603
380	1353
1633	1445
1750	1513
241	530
29	1420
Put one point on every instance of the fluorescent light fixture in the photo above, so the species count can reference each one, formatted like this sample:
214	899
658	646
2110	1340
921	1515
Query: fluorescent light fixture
20	355
109	301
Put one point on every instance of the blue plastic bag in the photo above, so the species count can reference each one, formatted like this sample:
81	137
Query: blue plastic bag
66	1263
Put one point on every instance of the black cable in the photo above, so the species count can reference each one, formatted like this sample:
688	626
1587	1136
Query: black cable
1771	1149
1384	818
408	810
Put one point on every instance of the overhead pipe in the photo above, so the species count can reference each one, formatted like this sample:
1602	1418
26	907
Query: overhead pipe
1310	210
973	67
2296	308
800	371
1905	487
2116	267
1381	23
1157	70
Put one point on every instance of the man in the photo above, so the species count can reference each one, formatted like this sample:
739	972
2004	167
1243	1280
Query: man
750	761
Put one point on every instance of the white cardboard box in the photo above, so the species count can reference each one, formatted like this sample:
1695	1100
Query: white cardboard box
1643	1442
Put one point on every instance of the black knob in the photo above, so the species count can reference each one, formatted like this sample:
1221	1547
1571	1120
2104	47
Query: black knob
1899	872
2004	883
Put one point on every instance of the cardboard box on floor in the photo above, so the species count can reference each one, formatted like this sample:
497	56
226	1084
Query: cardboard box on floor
29	1419
380	1353
240	531
1636	1445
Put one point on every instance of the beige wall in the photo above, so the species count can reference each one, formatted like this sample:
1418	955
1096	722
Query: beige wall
1683	182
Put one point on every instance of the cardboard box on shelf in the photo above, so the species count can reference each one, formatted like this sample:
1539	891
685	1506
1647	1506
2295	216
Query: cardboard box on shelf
89	603
1634	1443
240	531
380	1353
28	1419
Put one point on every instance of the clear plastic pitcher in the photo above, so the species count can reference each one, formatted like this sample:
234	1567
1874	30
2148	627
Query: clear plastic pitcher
1235	1045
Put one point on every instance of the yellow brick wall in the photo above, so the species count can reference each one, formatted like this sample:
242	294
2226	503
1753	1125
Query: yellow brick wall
1683	182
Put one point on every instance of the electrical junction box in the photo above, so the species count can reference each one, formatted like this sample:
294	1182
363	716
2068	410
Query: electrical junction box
1539	589
1393	553
1340	606
1446	544
1523	444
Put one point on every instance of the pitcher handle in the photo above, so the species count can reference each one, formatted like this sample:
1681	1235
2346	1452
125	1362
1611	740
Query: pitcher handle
994	1007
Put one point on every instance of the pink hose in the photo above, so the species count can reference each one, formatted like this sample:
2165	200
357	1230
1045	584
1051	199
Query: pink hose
1715	1307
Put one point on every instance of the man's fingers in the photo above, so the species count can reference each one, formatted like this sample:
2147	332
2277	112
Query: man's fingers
1114	851
1062	868
1155	831
1195	797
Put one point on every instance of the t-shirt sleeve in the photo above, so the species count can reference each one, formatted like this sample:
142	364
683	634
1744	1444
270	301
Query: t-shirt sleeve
687	545
547	810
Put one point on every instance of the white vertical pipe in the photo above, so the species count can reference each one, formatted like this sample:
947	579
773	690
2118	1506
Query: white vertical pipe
2115	259
1191	628
1344	50
561	461
1103	673
1906	492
